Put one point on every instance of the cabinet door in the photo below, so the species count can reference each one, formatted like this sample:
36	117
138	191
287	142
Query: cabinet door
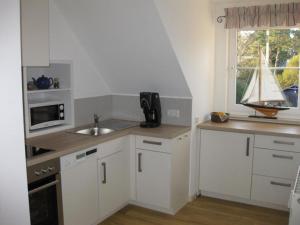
180	171
80	193
153	178
114	183
226	163
35	32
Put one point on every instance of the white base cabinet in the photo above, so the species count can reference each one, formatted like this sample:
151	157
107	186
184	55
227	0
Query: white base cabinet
113	183
272	190
96	185
226	163
263	176
273	163
114	176
162	172
153	178
79	188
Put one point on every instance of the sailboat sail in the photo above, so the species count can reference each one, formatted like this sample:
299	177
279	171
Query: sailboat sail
263	86
252	92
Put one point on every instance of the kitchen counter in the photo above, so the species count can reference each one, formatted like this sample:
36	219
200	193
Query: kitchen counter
284	130
66	142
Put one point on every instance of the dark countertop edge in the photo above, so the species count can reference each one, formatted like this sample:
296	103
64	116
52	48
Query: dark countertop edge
103	139
217	127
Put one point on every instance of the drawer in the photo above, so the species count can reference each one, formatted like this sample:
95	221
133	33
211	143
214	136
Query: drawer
277	143
271	190
151	143
111	147
276	163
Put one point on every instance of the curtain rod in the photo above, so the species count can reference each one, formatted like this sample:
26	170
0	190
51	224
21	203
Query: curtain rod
220	19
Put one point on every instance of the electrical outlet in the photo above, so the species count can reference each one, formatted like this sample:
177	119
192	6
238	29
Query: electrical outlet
174	113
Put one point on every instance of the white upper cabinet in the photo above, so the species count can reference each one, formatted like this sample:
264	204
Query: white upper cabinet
226	163
35	32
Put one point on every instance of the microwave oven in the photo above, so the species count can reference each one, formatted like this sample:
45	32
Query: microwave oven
46	114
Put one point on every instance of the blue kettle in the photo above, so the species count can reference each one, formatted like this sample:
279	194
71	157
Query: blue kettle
43	82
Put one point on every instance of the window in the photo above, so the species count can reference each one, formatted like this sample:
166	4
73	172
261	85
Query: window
273	53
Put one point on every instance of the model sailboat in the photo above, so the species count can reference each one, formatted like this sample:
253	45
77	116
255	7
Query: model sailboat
264	93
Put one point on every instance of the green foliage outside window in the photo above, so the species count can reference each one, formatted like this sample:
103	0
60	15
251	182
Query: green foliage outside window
281	46
290	77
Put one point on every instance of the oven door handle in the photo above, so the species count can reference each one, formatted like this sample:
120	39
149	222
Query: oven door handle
43	187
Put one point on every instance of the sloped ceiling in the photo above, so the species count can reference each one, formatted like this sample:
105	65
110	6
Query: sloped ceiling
128	45
65	45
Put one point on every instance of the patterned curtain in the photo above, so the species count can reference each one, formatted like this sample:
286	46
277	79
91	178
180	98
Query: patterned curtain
279	15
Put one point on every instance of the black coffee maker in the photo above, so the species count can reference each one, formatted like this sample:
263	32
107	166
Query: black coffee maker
150	104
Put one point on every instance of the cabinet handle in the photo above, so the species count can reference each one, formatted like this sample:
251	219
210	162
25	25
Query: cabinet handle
283	142
152	142
280	184
104	173
140	162
283	157
248	147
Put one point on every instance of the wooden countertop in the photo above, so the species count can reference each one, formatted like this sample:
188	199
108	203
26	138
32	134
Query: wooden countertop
254	127
65	142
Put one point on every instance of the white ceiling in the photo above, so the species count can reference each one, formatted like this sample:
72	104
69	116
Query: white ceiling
128	45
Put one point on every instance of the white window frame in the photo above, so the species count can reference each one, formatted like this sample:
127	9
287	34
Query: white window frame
238	109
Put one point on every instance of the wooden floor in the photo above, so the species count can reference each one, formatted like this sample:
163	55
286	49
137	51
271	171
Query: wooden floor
203	211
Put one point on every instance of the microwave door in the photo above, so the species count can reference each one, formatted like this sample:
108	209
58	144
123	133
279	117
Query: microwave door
45	116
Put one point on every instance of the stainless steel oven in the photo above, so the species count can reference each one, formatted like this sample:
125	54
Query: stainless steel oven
44	190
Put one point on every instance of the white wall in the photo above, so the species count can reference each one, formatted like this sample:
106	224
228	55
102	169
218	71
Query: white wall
14	209
88	81
128	45
190	27
151	45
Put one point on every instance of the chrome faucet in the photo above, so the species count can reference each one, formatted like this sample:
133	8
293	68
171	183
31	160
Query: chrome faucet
97	120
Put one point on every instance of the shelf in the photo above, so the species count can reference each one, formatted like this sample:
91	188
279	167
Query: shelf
48	90
43	131
62	70
43	100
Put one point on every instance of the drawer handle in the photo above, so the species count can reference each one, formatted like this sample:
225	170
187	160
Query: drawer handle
248	147
280	184
284	142
140	162
152	142
283	157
